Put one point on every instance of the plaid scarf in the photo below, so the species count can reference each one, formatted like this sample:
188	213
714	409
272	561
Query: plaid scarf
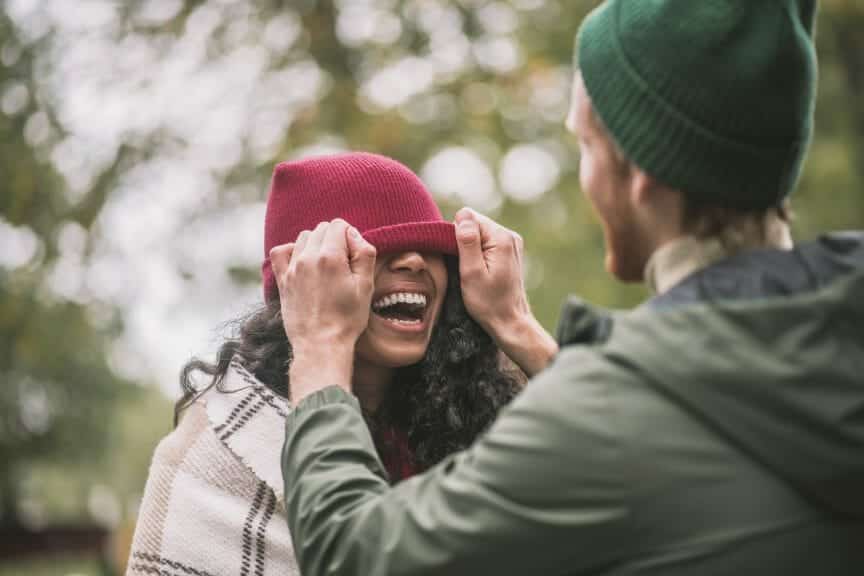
213	504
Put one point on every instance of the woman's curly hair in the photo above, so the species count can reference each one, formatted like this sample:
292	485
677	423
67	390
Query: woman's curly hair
441	403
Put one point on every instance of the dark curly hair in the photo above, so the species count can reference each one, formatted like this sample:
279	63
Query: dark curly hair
441	403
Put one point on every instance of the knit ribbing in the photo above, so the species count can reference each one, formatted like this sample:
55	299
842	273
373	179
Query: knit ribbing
699	121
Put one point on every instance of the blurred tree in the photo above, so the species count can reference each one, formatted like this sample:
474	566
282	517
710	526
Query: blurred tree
58	391
846	22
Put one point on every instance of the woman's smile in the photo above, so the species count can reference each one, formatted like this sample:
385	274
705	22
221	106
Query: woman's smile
402	310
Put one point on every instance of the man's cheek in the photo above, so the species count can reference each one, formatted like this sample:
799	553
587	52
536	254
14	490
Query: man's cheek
585	178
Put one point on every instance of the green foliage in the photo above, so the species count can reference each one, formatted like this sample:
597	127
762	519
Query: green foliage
57	391
57	388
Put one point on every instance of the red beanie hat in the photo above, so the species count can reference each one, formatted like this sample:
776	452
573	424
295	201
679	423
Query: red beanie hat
380	197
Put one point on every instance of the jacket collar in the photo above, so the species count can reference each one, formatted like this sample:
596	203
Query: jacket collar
769	273
583	323
678	259
249	419
686	255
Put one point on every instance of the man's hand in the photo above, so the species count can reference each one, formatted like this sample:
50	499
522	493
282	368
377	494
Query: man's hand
490	268
325	281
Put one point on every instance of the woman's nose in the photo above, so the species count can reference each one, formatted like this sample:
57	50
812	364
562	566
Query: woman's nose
408	262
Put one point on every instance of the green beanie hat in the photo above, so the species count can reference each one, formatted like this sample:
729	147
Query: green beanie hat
712	97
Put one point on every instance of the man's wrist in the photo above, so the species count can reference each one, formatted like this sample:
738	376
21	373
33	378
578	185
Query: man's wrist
316	367
527	343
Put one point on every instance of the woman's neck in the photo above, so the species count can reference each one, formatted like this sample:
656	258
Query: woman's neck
370	383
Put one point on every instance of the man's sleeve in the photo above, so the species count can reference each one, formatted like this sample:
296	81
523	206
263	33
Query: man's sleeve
541	493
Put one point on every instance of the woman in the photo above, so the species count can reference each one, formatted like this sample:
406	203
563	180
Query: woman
428	378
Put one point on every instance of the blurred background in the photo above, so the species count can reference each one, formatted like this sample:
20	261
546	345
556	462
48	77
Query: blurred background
137	140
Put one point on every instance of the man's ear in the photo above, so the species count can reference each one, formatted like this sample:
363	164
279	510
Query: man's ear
657	202
643	187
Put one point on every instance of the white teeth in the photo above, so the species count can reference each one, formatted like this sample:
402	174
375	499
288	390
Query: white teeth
403	297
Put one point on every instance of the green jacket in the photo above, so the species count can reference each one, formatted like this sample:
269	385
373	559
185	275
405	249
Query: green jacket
717	431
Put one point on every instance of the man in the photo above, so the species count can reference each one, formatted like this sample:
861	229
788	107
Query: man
719	429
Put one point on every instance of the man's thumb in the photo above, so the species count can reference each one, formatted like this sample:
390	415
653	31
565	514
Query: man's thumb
361	254
280	257
470	247
468	232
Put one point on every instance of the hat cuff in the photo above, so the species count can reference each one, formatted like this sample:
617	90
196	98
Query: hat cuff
419	236
436	237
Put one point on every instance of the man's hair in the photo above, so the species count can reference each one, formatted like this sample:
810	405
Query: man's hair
442	403
734	227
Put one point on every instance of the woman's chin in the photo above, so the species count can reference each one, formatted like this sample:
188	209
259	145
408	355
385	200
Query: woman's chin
399	355
393	344
389	353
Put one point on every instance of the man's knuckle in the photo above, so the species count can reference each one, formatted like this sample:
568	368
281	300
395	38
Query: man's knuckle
328	259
